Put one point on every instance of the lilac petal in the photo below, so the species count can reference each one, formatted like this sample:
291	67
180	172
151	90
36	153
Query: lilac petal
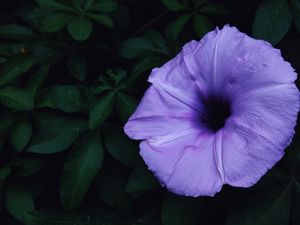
159	114
186	165
230	62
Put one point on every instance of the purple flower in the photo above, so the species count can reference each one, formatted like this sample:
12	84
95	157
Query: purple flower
221	112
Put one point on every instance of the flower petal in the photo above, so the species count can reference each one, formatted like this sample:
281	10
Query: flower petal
186	165
159	114
230	62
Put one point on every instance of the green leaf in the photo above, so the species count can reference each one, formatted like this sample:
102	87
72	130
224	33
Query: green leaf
180	210
36	80
270	207
98	216
15	98
53	22
67	98
101	110
102	19
137	47
104	6
5	122
296	10
16	32
141	179
174	5
214	8
119	146
202	25
15	67
20	134
82	165
126	105
272	21
111	187
18	203
53	4
145	65
80	28
28	166
77	66
55	133
178	24
4	173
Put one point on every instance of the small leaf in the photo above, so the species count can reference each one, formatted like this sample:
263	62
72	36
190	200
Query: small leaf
77	66
53	4
119	146
296	10
137	47
141	179
202	25
102	19
111	187
4	173
28	166
53	22
36	80
104	6
214	8
15	98
80	28
98	216
67	98
126	105
178	24
270	207
101	110
180	210
174	5
19	203
20	134
16	32
15	67
272	21
55	133
82	165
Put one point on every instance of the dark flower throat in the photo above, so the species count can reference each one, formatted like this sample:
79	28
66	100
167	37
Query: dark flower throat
216	111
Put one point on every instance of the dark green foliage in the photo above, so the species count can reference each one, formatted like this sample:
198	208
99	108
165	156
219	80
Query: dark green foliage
71	74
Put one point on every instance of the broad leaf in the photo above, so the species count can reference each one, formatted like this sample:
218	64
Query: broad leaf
270	207
28	166
296	10
202	25
104	6
67	98
101	110
55	4
55	133
119	146
20	134
102	19
14	67
15	98
177	26
126	105
174	5
214	8
111	187
16	32
77	66
272	20
141	179
80	28
19	203
36	80
180	210
80	168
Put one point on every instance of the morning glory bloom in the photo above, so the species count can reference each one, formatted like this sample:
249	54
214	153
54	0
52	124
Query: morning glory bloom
221	112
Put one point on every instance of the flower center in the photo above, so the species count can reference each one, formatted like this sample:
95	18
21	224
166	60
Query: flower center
216	111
